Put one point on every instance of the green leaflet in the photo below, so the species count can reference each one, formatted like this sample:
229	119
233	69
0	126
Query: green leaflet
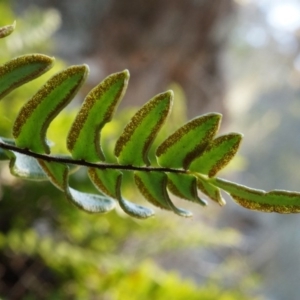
109	182
153	186
7	30
217	154
185	144
98	108
185	187
156	196
58	175
35	116
21	70
133	145
210	190
279	201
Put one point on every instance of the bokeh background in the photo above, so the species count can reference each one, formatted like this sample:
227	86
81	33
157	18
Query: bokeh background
240	58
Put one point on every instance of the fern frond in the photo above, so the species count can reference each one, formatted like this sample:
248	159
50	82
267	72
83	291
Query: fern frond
186	162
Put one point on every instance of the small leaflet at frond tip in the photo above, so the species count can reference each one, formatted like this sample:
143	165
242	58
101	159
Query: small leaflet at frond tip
7	30
279	201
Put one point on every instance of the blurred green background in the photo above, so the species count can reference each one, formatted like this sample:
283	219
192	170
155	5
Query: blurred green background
240	58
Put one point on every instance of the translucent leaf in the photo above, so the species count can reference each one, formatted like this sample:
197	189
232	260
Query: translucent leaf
58	175
26	167
97	109
22	69
279	201
7	30
217	154
153	186
210	190
185	187
157	195
109	182
185	144
35	116
133	145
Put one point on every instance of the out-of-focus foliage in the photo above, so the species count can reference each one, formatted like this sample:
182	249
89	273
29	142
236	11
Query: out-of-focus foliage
263	93
34	30
49	249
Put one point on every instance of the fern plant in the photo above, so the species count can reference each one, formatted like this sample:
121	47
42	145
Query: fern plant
186	162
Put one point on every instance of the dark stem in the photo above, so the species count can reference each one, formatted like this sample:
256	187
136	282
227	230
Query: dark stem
65	160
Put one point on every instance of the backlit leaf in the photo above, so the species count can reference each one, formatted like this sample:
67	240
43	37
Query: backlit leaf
97	109
217	154
185	144
107	181
133	145
185	187
22	69
7	30
57	173
35	116
153	186
279	201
